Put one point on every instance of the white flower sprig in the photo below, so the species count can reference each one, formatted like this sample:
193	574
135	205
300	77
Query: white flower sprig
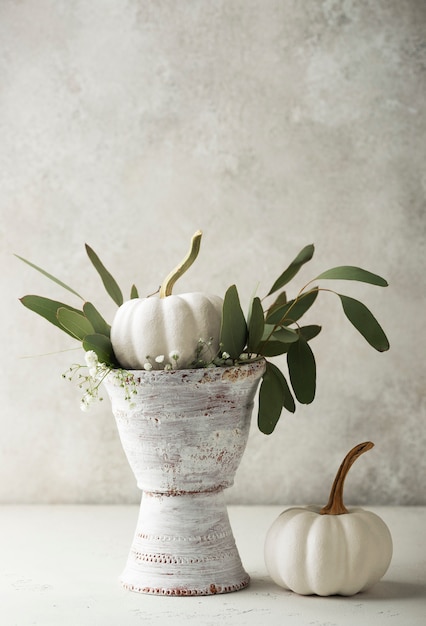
159	362
90	382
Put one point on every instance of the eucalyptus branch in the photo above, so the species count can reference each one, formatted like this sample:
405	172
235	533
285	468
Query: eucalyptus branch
268	332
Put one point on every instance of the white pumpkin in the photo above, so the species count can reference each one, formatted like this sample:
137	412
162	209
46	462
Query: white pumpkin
329	551
144	328
167	326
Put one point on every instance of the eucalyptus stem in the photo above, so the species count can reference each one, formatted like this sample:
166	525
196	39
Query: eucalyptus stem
284	318
335	504
168	283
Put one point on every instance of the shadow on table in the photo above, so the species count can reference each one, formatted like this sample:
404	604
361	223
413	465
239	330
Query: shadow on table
384	589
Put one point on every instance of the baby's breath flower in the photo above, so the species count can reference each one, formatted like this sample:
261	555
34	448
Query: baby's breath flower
147	367
174	356
90	383
91	358
225	355
159	358
86	401
168	367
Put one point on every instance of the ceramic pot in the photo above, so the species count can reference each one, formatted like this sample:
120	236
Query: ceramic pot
184	433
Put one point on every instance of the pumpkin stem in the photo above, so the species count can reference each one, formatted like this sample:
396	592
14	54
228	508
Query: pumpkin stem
335	504
168	283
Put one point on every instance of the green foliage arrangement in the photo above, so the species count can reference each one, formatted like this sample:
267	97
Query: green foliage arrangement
268	330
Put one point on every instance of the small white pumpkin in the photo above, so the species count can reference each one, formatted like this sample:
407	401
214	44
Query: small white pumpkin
329	551
146	328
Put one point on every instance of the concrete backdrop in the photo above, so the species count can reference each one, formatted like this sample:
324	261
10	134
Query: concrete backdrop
269	124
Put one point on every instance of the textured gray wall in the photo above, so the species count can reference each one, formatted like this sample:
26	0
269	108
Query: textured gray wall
268	124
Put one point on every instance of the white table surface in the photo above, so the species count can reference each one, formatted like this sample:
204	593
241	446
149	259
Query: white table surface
59	565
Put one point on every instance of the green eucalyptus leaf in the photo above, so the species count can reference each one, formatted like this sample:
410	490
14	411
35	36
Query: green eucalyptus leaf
274	393
95	318
102	346
286	335
53	278
309	332
273	348
268	331
349	272
302	370
47	308
365	322
256	325
303	257
75	322
294	309
288	400
233	334
270	403
134	293
280	301
110	284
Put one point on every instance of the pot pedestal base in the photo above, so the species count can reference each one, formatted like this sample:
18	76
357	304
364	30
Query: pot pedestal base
184	546
184	433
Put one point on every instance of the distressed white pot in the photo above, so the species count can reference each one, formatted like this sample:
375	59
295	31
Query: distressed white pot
184	433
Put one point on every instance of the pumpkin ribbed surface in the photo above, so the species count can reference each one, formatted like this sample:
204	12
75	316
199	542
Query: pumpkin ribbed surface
327	554
144	328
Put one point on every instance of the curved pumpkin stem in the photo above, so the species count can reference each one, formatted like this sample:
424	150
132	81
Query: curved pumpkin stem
168	283
335	504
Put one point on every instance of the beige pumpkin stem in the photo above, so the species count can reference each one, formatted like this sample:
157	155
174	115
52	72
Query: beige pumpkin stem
335	504
168	283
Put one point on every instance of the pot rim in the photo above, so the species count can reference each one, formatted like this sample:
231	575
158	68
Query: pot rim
254	367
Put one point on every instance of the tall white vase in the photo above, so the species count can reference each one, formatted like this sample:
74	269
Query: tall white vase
184	433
